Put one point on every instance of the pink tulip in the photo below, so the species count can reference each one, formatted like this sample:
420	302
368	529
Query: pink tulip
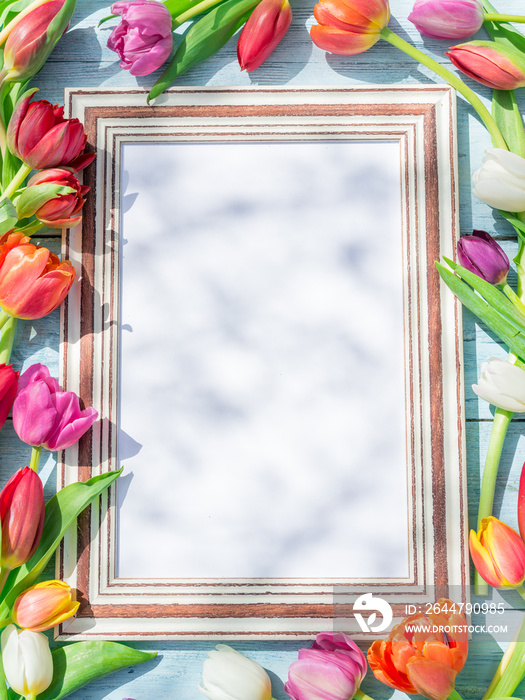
495	65
480	254
44	605
22	512
331	669
263	31
143	39
8	389
44	415
447	19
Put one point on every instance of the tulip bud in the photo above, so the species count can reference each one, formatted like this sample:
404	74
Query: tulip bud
264	29
498	553
480	254
31	37
500	182
333	667
44	415
349	26
227	674
33	281
497	66
143	39
22	512
8	389
27	661
447	19
43	606
54	196
501	384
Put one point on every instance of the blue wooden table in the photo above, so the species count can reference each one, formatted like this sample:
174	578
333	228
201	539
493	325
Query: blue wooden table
82	60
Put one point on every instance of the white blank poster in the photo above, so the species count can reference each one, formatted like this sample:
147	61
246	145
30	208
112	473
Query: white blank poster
262	400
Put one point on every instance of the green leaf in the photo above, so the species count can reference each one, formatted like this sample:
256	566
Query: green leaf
506	112
78	664
8	217
518	225
508	333
204	38
61	512
32	198
503	32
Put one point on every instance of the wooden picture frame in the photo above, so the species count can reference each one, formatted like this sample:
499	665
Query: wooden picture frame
421	120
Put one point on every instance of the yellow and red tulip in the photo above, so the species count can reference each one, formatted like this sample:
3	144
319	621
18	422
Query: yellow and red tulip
424	653
43	606
498	553
349	26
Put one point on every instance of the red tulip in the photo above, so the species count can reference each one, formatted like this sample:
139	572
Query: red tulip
498	553
8	388
498	66
52	209
349	26
33	281
22	517
39	135
521	503
44	605
265	28
424	653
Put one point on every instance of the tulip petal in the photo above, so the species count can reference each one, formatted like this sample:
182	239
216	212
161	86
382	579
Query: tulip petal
34	414
433	680
483	561
507	550
342	42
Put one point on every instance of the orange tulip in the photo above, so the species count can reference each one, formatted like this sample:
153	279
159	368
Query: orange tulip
33	281
349	26
43	606
424	653
498	553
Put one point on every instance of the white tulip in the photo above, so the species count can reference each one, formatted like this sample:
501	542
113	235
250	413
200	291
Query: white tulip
502	384
229	675
28	664
500	182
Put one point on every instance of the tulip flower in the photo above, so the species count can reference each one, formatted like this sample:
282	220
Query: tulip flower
332	669
143	40
495	65
39	135
502	384
349	26
21	517
229	675
44	415
500	182
498	553
43	606
8	389
264	29
55	210
27	661
33	281
31	37
480	254
425	661
447	19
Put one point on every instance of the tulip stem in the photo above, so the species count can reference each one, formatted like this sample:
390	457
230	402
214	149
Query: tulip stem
197	9
16	181
454	695
514	298
362	696
453	80
511	669
489	17
8	338
35	458
500	425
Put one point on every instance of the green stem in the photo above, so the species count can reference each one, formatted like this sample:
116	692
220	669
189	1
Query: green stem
362	696
454	695
35	458
453	80
489	17
511	670
197	9
7	339
4	573
514	298
500	425
16	181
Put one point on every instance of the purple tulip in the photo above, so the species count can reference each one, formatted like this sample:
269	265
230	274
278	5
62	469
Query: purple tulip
143	39
331	669
44	415
447	19
480	254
